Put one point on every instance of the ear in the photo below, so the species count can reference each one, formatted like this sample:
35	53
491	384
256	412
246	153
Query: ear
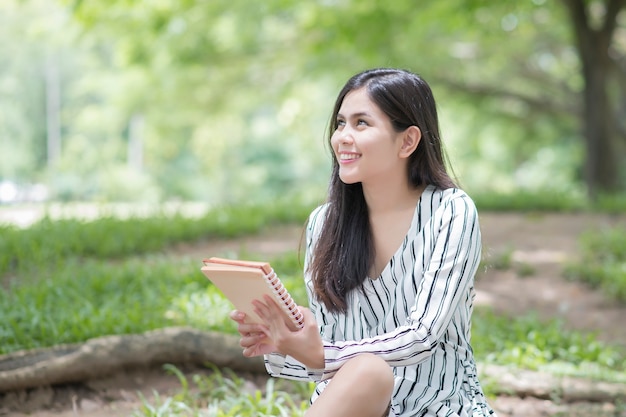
410	139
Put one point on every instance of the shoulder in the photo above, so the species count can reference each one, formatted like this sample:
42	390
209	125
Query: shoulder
454	215
452	200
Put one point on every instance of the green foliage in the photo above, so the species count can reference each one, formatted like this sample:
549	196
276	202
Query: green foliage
234	97
603	261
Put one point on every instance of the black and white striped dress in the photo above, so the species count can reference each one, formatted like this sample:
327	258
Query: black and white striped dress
415	315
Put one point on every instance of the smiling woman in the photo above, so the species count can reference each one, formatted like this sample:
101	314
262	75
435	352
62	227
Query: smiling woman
366	145
389	267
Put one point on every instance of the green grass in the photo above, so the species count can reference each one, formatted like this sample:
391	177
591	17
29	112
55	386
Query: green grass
81	300
523	342
68	281
548	201
539	201
86	299
207	309
224	394
603	262
89	299
530	343
49	242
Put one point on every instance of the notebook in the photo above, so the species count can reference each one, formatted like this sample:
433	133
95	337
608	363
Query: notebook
242	281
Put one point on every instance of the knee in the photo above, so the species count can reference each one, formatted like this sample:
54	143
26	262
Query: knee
368	370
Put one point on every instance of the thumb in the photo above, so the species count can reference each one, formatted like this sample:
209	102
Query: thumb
309	318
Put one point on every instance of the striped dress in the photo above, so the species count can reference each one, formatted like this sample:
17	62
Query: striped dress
415	315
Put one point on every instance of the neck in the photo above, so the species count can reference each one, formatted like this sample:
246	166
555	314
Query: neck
385	198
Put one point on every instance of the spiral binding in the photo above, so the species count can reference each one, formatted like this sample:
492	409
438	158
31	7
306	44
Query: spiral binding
288	305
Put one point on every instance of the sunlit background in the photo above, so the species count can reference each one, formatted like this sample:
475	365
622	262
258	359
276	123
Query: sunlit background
183	129
228	101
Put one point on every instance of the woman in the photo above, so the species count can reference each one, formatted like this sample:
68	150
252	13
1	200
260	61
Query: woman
389	267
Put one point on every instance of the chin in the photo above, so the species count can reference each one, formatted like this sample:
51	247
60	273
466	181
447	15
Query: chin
348	180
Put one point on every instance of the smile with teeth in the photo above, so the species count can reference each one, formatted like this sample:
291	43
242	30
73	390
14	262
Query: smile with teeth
349	156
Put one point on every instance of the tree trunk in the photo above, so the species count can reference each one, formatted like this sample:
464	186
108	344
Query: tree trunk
53	108
601	170
109	354
599	125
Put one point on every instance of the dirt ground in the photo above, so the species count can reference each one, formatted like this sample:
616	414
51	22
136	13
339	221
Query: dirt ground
537	243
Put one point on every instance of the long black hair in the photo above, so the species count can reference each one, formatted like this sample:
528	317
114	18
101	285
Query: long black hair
344	252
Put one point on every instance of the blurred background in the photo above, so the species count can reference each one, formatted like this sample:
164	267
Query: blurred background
210	118
224	101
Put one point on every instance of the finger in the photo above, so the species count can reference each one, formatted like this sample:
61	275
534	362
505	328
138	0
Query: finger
252	351
259	348
248	328
252	339
262	310
271	304
269	310
307	314
238	316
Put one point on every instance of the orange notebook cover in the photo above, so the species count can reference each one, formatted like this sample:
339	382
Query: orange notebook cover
243	281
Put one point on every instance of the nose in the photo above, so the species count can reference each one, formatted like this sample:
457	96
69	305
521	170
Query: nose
345	135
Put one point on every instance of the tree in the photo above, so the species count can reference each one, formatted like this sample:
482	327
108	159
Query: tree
517	52
603	65
516	64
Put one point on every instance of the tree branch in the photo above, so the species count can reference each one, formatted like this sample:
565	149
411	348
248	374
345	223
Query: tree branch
582	28
583	33
578	13
543	104
610	18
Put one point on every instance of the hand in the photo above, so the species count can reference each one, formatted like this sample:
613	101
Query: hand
304	344
253	339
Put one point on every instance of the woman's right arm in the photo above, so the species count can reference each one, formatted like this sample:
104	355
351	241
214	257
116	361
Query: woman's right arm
286	366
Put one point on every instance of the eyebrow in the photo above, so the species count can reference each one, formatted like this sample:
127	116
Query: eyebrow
358	114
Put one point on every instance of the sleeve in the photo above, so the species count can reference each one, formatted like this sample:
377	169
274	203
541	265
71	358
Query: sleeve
446	279
282	366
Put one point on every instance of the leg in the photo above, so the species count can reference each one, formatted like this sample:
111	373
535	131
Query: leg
361	388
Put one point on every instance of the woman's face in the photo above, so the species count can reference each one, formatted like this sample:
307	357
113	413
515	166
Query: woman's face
365	144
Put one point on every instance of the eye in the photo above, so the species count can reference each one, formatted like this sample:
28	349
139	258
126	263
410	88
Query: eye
361	122
340	123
